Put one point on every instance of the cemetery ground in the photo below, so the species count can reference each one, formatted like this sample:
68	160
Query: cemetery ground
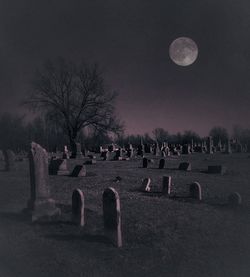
162	236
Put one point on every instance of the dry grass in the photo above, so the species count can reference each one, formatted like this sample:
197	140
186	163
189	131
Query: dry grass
162	236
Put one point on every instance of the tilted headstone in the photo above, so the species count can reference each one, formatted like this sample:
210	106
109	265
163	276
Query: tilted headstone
9	160
234	199
40	202
161	163
144	162
185	166
146	184
112	216
195	191
79	171
166	185
78	207
216	169
58	167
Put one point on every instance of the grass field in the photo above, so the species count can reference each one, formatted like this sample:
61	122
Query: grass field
161	236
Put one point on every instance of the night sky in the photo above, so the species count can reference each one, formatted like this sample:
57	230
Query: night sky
130	40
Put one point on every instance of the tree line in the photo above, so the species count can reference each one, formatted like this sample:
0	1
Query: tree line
74	104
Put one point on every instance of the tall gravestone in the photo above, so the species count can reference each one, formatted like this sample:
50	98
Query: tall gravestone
78	207
209	145
161	163
112	216
9	160
144	162
40	203
166	185
79	154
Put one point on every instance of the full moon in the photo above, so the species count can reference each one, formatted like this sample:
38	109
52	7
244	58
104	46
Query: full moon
183	51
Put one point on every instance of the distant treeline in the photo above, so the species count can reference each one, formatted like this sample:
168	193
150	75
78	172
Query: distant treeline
16	134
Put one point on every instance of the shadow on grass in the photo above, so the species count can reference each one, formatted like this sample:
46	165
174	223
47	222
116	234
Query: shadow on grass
18	217
82	237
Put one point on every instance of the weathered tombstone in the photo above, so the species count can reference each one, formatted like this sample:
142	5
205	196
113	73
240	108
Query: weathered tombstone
79	171
58	167
92	161
146	184
78	207
140	150
40	203
185	166
65	152
1	156
161	163
195	191
234	199
186	149
9	160
111	147
144	162
228	147
166	185
118	154
105	155
79	154
216	169
209	145
112	216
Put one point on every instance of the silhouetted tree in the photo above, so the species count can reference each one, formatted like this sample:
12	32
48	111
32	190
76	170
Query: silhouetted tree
219	134
160	135
75	96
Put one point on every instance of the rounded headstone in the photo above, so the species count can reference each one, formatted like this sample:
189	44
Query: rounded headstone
234	199
195	190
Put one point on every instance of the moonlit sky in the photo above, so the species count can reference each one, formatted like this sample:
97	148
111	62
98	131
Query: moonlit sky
130	39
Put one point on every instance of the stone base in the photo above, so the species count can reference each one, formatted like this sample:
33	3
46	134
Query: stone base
63	172
43	209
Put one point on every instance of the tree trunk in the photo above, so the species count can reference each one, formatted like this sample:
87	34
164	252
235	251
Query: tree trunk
72	141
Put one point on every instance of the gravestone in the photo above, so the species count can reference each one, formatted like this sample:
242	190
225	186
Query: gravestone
166	185
1	156
186	149
118	155
58	167
209	145
228	147
9	160
195	191
144	162
78	207
161	163
105	155
216	169
40	203
79	171
79	154
112	216
185	166
146	184
65	153
234	199
140	150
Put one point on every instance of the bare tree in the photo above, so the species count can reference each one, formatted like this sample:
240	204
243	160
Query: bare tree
75	96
